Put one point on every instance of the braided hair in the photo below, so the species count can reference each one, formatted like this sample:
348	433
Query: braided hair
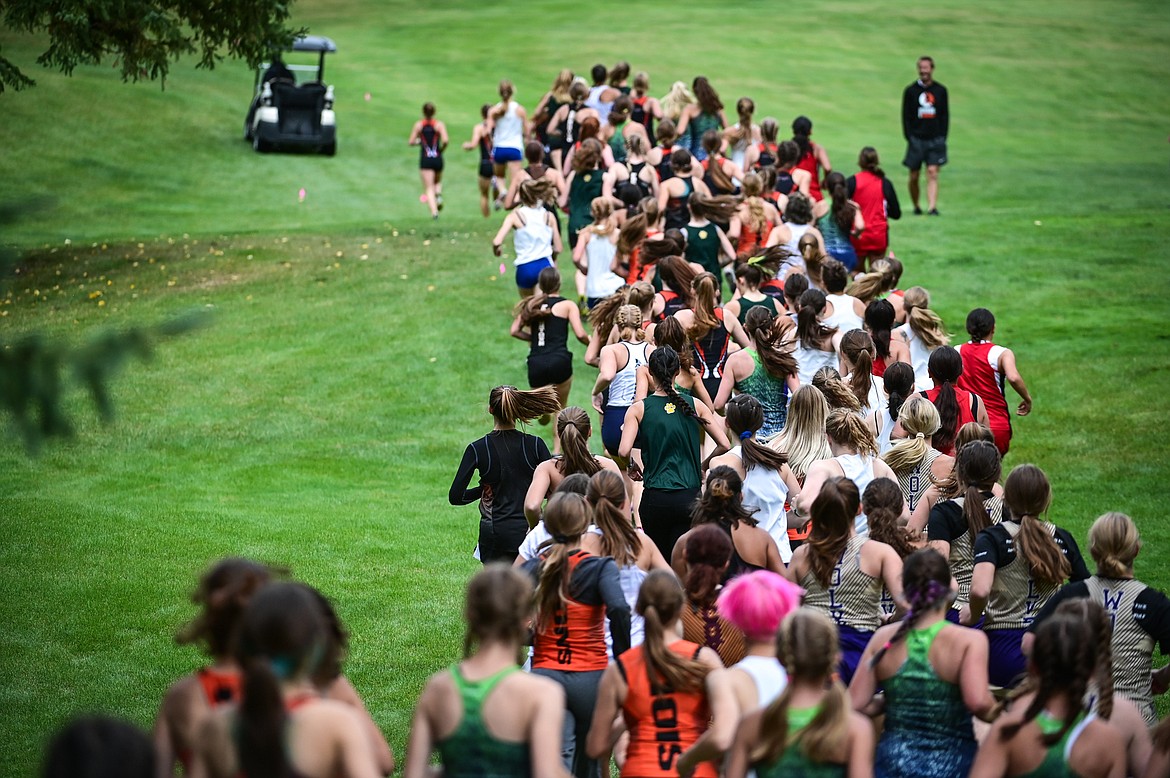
664	366
926	585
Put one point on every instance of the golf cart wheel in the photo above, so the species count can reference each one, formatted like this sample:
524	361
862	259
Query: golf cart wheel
329	149
248	131
261	145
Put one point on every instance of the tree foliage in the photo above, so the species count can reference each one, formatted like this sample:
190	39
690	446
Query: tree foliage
145	36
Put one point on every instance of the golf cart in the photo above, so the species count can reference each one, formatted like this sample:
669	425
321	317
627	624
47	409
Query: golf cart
291	111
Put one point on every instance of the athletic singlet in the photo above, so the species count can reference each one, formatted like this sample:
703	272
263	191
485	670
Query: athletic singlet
635	187
1016	597
594	102
767	157
981	376
919	357
672	303
617	142
916	480
1055	764
551	106
509	131
784	182
711	353
868	194
670	444
794	762
795	233
705	626
600	280
663	168
810	360
809	162
640	115
485	148
533	238
967	406
764	489
886	424
709	178
624	385
772	392
584	187
678	212
844	317
568	126
550	333
750	240
699	125
471	751
858	468
767	676
429	148
745	305
662	725
852	598
703	248
947	523
573	638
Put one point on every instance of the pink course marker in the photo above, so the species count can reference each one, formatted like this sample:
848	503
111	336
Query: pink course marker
301	194
503	269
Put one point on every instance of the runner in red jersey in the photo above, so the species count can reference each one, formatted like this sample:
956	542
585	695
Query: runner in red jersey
665	690
956	406
878	200
574	591
986	367
813	157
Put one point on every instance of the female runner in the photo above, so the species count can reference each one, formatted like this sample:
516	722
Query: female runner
757	603
705	114
721	175
675	102
618	374
885	515
857	358
754	218
482	714
633	178
986	367
798	222
573	431
509	129
708	552
646	109
669	425
955	523
537	240
836	391
584	184
659	689
506	460
842	572
544	321
765	369
923	473
675	276
595	252
1019	564
223	592
813	157
481	138
809	730
748	278
789	177
282	725
707	243
573	589
878	200
669	332
844	310
431	136
1138	613
535	170
564	128
803	442
879	323
554	98
934	675
897	384
854	458
765	153
956	406
923	332
674	193
768	482
1046	731
839	222
721	504
816	344
711	331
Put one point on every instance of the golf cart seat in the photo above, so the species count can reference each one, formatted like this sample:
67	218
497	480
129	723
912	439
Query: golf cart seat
299	107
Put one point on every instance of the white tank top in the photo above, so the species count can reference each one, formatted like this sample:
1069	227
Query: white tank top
509	131
886	426
919	356
876	397
767	674
631	578
533	239
600	281
796	232
763	488
859	470
844	317
810	360
594	102
624	385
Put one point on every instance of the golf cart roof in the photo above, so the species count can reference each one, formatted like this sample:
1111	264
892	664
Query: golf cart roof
314	43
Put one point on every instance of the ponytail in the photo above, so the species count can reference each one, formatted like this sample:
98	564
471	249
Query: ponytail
663	365
764	331
660	601
809	329
607	494
857	347
1027	493
706	293
836	391
573	429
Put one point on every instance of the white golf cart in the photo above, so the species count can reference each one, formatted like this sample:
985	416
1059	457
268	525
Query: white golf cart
293	107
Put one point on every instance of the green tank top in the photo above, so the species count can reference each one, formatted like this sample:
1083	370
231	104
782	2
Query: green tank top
919	704
1054	764
670	444
700	124
703	249
793	762
772	393
471	751
584	188
617	143
746	305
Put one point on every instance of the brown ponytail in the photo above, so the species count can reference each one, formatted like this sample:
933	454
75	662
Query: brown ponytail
660	601
573	429
607	495
1027	494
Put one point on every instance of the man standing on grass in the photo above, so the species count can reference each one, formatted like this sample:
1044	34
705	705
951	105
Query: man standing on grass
925	118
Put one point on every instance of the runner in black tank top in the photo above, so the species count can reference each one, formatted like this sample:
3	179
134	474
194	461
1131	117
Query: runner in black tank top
678	212
638	114
549	358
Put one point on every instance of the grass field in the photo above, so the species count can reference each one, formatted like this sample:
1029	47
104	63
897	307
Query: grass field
318	422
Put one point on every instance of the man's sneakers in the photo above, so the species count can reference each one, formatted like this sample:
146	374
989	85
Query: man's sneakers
933	212
917	211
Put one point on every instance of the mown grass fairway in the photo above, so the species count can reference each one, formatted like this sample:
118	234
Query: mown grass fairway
318	422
